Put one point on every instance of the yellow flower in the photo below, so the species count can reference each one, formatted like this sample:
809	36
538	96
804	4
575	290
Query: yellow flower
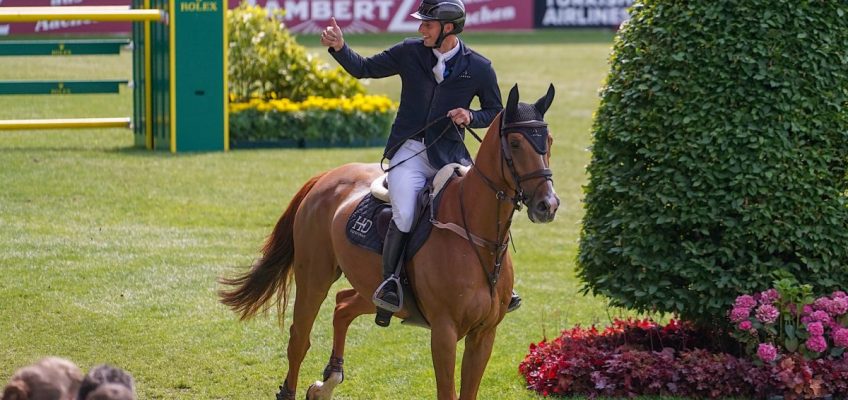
361	103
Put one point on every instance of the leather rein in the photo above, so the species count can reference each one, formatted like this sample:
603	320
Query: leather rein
498	247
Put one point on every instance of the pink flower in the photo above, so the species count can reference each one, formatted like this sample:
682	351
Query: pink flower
769	296
840	337
747	325
816	344
820	316
766	352
807	309
838	306
838	294
822	303
767	313
738	314
745	301
815	328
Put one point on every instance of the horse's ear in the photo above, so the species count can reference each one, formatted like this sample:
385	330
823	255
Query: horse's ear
512	102
545	102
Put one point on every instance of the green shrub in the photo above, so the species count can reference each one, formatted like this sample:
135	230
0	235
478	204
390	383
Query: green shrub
719	155
360	120
266	62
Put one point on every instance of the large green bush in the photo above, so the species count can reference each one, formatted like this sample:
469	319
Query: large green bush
265	61
719	155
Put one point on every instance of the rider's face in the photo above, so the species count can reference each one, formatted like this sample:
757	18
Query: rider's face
429	31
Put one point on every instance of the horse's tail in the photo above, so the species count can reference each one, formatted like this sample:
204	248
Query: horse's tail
270	274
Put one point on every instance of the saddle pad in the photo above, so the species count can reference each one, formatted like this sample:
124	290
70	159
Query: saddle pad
369	222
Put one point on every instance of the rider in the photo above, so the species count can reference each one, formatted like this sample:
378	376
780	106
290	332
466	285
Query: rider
440	76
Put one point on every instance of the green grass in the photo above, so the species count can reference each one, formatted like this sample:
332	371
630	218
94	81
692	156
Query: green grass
109	254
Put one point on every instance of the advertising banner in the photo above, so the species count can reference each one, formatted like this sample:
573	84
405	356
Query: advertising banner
356	16
359	16
581	13
63	27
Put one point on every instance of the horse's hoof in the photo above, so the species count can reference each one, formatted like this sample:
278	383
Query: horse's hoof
285	393
324	390
314	391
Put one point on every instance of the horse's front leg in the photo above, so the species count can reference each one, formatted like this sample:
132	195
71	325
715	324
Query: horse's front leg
478	348
443	339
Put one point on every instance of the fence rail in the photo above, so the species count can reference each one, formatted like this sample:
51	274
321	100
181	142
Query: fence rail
75	13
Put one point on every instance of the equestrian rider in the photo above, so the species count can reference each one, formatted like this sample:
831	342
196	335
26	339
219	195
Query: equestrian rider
440	76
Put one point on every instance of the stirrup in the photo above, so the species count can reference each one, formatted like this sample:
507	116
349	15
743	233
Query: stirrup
514	303
380	303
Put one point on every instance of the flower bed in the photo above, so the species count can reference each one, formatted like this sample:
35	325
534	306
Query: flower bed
316	122
634	357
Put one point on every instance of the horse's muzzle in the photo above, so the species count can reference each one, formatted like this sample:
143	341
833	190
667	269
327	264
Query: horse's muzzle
543	210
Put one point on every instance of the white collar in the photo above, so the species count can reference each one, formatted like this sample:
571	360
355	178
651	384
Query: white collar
450	53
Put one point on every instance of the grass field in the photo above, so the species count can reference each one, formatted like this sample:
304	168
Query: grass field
109	254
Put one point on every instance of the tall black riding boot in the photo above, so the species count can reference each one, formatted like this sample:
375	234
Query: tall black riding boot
386	298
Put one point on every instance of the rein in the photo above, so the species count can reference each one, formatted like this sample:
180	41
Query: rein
401	142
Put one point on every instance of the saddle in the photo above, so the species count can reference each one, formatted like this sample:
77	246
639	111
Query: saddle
369	222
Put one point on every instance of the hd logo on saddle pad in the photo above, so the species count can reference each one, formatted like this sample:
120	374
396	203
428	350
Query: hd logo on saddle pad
361	226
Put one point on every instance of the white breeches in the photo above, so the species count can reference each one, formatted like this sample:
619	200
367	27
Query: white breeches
406	180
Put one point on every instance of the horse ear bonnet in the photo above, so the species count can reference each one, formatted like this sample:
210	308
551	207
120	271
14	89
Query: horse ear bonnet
517	114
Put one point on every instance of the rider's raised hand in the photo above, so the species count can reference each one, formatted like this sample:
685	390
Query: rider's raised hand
332	36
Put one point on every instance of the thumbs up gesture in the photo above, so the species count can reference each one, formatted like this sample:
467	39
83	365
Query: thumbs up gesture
332	36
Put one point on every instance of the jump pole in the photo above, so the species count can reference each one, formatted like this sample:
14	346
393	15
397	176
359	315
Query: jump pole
74	13
67	123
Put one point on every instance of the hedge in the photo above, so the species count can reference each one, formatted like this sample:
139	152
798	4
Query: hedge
719	155
315	122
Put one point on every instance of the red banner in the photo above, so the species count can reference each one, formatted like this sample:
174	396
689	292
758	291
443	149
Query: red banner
311	16
63	27
302	16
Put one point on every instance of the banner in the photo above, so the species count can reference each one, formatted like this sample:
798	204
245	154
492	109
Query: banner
581	13
63	27
357	16
303	16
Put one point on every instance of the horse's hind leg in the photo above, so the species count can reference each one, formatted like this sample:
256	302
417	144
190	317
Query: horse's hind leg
312	285
349	305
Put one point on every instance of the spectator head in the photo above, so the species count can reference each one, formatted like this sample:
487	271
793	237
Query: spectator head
105	382
111	391
51	378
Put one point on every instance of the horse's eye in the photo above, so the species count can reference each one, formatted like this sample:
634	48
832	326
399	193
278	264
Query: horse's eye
515	144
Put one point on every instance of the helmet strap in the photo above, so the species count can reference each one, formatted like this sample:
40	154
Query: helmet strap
442	35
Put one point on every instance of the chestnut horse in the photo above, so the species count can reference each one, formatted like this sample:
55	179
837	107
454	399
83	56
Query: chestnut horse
462	285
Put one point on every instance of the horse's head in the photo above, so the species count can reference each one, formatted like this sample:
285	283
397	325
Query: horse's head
526	149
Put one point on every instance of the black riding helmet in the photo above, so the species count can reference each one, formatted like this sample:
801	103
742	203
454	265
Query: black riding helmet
452	11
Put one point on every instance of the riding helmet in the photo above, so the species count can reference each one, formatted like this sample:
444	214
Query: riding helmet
452	11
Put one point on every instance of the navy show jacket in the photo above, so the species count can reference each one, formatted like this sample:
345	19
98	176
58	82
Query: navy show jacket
423	100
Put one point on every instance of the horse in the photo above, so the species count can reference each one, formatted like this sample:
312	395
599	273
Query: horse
462	276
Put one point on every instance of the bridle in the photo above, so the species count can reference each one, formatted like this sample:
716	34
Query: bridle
528	128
